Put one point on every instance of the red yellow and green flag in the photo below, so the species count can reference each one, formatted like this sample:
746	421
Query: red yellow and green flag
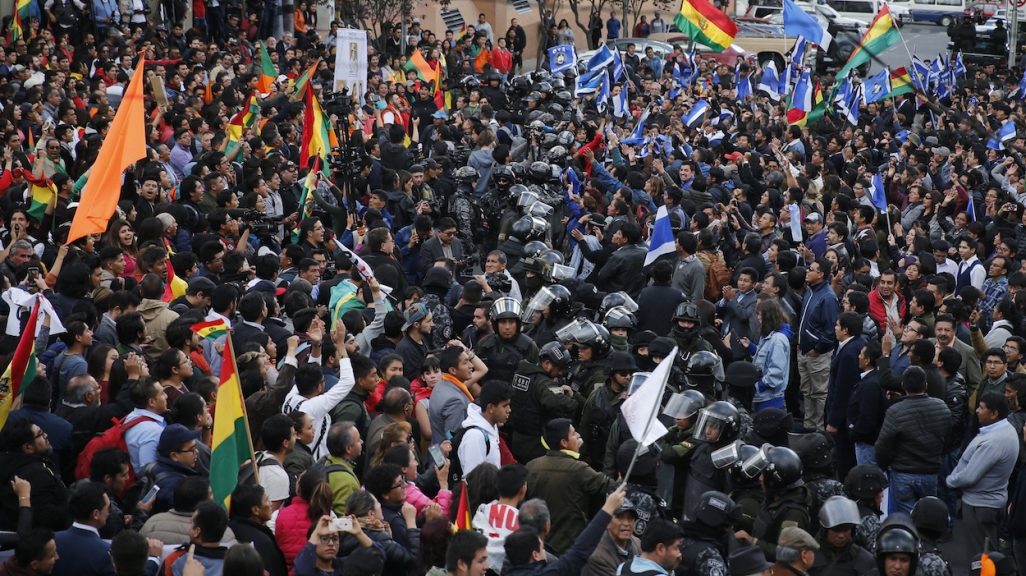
306	200
462	33
705	24
231	444
42	191
176	285
268	74
882	34
303	82
244	119
21	15
901	83
319	136
22	368
211	330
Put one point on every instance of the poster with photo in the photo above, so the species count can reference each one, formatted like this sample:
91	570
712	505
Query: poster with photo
351	62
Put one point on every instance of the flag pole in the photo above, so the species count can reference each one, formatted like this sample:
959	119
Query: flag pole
902	36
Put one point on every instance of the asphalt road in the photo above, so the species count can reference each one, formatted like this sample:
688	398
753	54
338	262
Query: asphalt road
924	40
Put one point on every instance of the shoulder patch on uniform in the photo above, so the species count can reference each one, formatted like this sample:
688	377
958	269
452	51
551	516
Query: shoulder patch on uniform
521	382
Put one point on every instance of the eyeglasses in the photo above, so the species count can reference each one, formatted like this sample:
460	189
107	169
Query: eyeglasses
401	484
40	435
624	373
194	449
328	539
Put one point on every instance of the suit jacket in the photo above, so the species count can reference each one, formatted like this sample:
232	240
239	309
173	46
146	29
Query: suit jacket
447	410
242	332
867	409
81	552
656	305
741	320
432	250
844	374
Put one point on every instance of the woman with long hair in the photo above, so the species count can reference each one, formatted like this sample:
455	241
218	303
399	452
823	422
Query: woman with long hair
121	234
313	499
242	559
406	459
564	33
421	387
772	354
101	359
395	434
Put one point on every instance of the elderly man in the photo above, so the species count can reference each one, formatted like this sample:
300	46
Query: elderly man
796	551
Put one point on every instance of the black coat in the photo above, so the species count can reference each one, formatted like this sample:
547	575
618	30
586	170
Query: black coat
263	540
844	374
656	305
624	271
49	494
867	409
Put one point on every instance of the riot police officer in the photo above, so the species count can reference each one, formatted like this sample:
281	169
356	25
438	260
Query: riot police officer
555	304
621	324
865	484
703	543
660	348
718	424
930	516
677	445
591	343
602	408
897	546
838	554
685	333
816	450
538	398
506	347
746	490
787	500
642	484
705	373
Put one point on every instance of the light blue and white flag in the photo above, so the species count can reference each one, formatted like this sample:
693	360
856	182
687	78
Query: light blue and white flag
661	241
877	86
798	22
878	195
1004	134
697	114
769	83
561	58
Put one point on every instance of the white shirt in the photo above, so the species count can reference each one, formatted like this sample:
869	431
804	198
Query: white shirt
473	451
948	266
274	479
318	408
496	521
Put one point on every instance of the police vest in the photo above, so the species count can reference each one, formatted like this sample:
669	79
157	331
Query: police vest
503	357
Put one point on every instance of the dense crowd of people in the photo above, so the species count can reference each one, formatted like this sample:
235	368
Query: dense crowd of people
436	331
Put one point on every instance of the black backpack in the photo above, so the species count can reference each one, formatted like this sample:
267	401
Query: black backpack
455	466
247	474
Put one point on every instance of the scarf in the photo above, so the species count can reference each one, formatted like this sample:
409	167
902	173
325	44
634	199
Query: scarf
456	382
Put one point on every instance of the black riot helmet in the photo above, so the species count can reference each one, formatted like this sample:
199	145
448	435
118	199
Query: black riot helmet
716	510
556	353
897	535
535	249
620	317
552	256
704	367
718	423
930	515
737	472
595	337
504	179
865	482
783	470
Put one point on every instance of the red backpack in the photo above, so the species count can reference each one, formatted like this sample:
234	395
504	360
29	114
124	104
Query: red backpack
113	437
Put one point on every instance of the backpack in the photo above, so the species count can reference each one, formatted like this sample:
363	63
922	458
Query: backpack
324	469
145	481
718	277
517	141
455	466
246	473
114	437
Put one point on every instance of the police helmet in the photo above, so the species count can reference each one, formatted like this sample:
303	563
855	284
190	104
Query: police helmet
816	449
539	171
521	229
564	96
545	87
686	311
552	256
684	404
534	249
897	535
839	511
466	175
521	83
783	470
548	119
565	138
619	317
555	109
620	362
557	83
718	423
470	82
505	308
556	353
593	336
738	473
865	482
931	514
533	97
716	510
614	299
504	178
533	117
704	365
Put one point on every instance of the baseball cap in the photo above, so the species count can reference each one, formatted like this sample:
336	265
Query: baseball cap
735	156
814	217
173	436
440	114
941	150
430	164
415	313
201	284
797	539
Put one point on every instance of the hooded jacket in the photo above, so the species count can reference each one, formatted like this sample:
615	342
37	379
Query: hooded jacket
157	317
472	450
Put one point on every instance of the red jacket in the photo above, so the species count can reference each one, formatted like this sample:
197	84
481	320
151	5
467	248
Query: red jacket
290	529
879	311
502	61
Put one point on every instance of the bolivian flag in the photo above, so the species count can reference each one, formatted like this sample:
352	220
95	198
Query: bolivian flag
318	135
238	124
901	83
42	191
22	368
176	285
463	521
304	81
882	34
306	199
705	24
21	16
211	330
267	72
230	445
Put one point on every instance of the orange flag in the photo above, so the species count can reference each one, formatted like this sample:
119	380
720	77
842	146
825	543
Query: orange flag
125	144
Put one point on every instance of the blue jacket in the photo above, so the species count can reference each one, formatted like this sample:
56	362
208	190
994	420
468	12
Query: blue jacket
612	185
81	552
411	256
168	474
774	357
819	313
844	375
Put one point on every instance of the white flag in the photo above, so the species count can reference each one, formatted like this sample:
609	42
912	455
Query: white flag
641	409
